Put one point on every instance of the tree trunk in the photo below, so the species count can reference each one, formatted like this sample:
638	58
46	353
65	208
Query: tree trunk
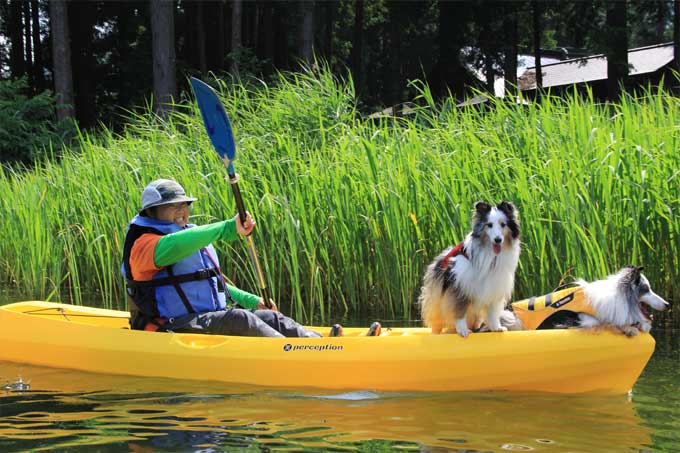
84	66
221	36
448	74
28	59
538	30
236	42
660	28
16	56
676	34
200	38
185	34
6	16
124	19
357	45
487	47
307	31
330	25
512	38
163	42
617	49
282	30
61	58
395	29
38	64
254	32
270	35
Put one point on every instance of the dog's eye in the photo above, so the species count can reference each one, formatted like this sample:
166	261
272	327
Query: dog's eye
502	224
644	289
489	225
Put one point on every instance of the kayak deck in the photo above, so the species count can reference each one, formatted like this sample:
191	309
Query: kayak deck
119	319
99	340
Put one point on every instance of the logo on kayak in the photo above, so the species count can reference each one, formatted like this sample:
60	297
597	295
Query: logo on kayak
312	347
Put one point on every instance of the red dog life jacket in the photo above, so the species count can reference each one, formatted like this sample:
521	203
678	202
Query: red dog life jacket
455	251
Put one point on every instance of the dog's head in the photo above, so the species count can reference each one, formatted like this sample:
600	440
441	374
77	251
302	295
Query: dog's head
638	293
495	225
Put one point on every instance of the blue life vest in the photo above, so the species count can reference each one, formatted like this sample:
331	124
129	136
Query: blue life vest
192	285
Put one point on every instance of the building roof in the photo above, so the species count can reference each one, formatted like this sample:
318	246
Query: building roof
641	60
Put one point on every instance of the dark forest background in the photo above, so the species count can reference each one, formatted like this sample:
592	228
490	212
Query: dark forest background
66	63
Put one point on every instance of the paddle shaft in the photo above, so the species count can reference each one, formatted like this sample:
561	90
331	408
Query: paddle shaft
233	181
218	127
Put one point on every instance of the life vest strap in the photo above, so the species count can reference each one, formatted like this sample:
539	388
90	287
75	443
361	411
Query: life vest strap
201	274
155	324
180	292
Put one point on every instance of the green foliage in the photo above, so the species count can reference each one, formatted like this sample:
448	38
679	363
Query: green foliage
28	125
349	210
249	64
582	24
113	55
651	22
121	47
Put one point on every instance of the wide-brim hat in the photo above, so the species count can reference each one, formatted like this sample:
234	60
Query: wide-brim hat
163	191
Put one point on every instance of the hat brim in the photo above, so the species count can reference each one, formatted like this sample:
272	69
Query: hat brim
178	199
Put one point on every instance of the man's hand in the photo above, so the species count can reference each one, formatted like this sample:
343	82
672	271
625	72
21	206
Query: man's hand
245	228
262	306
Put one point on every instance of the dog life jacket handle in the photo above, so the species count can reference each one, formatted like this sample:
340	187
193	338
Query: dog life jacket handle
455	251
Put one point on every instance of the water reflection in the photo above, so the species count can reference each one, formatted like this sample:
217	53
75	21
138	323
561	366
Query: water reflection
657	392
72	411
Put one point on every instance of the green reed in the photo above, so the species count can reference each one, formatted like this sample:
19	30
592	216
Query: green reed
350	210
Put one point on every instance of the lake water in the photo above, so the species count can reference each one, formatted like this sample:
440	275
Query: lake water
72	411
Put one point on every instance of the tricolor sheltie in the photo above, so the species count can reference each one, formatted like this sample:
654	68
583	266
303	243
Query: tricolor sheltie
472	282
621	301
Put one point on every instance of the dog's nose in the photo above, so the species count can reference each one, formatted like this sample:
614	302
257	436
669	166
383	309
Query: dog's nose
498	239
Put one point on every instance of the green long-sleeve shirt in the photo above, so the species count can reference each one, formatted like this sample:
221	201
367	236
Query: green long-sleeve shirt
174	247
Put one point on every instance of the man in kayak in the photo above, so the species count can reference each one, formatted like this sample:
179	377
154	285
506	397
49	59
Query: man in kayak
173	276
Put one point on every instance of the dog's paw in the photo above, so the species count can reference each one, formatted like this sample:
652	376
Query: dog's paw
462	328
500	329
645	326
630	331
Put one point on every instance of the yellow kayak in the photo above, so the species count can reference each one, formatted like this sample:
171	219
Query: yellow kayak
99	340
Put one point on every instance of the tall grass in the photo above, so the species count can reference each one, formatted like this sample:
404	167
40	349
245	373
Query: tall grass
350	210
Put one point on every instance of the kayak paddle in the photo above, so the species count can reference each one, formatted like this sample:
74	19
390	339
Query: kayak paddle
218	127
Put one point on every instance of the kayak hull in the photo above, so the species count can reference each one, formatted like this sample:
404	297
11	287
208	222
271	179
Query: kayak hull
401	359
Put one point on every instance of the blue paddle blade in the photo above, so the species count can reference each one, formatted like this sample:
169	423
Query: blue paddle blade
216	122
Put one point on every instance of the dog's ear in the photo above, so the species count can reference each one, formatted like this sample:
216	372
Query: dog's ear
482	207
638	273
633	274
507	208
510	212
